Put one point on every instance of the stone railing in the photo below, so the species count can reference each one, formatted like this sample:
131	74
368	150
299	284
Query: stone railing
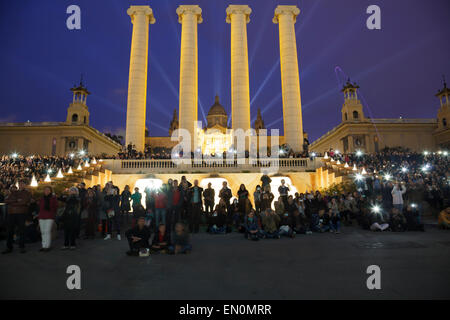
211	165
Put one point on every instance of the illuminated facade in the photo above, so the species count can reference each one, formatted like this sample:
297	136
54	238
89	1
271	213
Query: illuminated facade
58	138
216	137
357	132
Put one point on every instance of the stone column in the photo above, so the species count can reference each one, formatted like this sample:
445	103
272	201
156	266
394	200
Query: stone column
141	16
286	17
189	16
238	16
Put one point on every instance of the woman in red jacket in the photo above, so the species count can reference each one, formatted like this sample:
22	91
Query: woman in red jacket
47	212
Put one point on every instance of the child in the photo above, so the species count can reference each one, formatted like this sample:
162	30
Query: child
161	239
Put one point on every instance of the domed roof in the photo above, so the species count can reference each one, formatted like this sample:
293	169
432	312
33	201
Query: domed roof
217	108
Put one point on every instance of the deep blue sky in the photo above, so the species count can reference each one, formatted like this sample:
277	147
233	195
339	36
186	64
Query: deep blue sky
399	68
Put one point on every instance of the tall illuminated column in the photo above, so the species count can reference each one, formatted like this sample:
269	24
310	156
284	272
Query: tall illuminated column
238	16
189	16
141	16
286	17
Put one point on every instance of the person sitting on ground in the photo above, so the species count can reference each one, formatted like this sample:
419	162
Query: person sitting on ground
270	224
138	237
161	239
444	219
335	221
218	219
412	216
325	224
378	221
286	225
252	230
398	220
180	241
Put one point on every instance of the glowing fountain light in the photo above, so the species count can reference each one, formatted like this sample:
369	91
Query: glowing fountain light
338	162
326	155
47	178
59	175
79	166
70	171
346	165
354	167
94	161
332	160
34	182
363	171
86	164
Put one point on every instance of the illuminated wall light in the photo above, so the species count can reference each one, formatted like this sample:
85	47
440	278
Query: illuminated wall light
59	175
34	182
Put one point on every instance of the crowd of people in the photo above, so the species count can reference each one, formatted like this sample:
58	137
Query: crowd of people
397	190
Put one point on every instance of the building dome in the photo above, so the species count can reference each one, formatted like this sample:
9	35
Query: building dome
217	108
217	116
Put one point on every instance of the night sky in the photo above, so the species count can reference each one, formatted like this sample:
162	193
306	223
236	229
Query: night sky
399	68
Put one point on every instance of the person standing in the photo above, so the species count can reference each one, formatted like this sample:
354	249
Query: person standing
226	195
283	190
47	212
18	202
125	198
209	195
90	204
70	218
112	212
397	196
195	197
160	208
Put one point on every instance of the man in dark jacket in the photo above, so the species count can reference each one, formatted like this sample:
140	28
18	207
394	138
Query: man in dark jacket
209	195
195	199
138	237
18	205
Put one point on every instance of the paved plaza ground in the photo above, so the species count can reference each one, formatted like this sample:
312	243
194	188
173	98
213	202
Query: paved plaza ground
413	265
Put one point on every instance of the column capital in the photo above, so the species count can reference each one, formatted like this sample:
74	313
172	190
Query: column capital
189	9
293	11
141	10
238	9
